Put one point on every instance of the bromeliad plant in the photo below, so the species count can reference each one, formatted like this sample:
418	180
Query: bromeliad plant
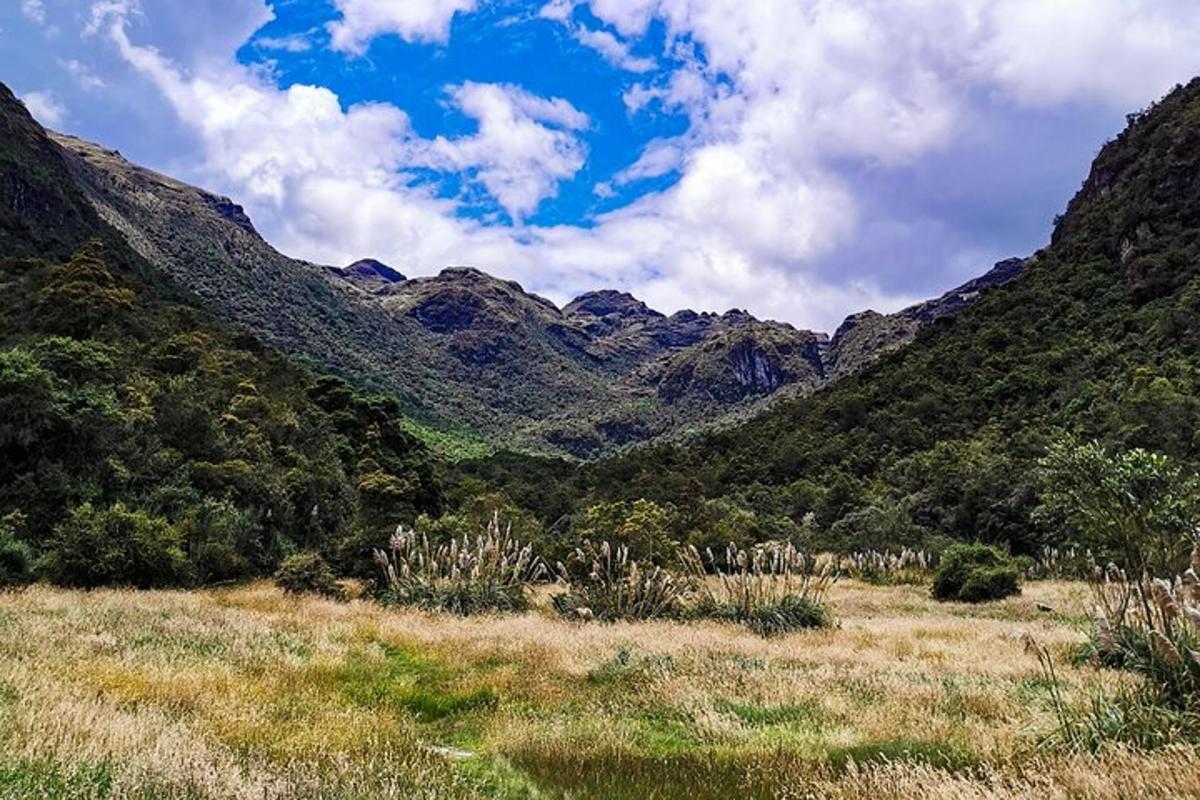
771	588
493	572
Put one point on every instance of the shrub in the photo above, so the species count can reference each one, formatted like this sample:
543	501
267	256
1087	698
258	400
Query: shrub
609	584
974	573
16	559
218	535
773	588
491	573
307	573
641	526
115	546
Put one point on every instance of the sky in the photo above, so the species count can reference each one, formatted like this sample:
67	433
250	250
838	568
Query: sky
801	159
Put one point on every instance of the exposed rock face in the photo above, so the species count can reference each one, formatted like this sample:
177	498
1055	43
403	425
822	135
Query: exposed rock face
752	360
864	336
464	352
957	299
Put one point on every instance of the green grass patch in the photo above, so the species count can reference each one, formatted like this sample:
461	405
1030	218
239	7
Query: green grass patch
21	779
412	683
627	668
808	714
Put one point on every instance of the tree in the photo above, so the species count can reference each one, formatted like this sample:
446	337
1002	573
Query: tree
115	546
82	294
642	525
1134	507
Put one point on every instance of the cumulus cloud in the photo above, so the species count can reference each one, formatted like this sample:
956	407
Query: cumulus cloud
45	108
777	94
524	146
412	20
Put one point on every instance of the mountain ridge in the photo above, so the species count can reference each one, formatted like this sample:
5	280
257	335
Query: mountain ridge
474	359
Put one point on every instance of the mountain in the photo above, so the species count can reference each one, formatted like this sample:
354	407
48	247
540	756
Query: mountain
142	441
476	362
1097	337
368	272
863	337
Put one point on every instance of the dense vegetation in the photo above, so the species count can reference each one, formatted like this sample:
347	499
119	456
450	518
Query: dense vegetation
143	445
940	440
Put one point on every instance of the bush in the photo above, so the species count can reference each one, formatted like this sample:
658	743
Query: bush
307	573
115	546
772	588
492	573
974	573
16	559
607	583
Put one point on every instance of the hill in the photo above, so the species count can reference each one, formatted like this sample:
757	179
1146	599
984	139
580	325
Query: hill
1097	337
144	442
476	362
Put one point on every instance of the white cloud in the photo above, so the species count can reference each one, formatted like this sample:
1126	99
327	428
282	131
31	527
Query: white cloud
659	157
1122	52
45	108
518	158
295	43
612	49
34	11
558	10
412	20
82	74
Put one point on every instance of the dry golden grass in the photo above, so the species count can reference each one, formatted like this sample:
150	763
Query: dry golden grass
246	692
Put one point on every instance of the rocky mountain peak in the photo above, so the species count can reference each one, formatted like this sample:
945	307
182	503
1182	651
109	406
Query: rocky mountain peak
370	271
609	302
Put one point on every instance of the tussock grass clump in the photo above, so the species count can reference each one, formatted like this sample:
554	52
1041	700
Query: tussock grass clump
1152	627
493	572
771	588
616	586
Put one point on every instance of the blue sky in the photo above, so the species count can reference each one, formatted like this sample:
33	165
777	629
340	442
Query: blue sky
803	159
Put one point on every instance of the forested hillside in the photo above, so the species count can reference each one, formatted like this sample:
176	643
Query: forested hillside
142	442
476	362
1097	339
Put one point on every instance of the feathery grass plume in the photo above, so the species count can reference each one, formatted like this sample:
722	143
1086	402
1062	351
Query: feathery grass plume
1062	563
1151	626
771	588
492	572
909	567
613	585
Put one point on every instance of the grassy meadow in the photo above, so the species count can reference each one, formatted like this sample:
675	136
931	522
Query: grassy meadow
245	692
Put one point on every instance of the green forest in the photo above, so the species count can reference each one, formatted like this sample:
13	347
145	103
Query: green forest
146	443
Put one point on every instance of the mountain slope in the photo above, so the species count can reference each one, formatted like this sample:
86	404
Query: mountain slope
144	443
1099	336
475	362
